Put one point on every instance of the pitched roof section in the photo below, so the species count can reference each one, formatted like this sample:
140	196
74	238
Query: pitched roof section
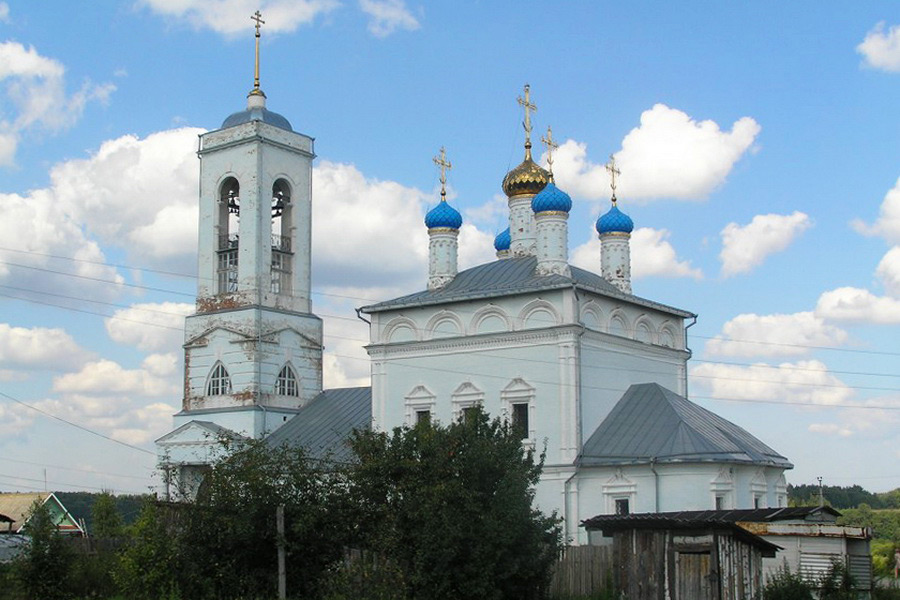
17	507
509	277
744	515
653	423
323	426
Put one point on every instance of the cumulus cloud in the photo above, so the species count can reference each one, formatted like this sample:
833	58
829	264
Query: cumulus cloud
887	225
4	12
855	305
150	326
774	335
34	89
670	155
106	377
876	418
387	16
881	49
744	248
39	348
230	17
888	271
804	382
651	256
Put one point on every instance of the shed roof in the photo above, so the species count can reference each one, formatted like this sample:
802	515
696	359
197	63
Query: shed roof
17	507
323	426
653	424
514	276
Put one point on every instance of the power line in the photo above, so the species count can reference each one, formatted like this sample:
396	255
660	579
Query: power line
25	462
76	425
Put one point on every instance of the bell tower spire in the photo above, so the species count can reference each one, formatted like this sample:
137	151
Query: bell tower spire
257	16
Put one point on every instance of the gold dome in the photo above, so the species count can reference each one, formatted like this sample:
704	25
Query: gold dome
528	178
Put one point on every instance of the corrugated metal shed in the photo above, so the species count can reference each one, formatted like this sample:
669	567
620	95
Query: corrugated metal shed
323	426
653	423
513	276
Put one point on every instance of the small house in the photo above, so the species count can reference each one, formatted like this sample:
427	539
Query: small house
16	506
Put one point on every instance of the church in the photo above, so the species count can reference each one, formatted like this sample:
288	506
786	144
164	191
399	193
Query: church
585	370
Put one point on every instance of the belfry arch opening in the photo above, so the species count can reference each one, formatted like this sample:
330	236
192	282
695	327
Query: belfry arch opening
228	234
281	237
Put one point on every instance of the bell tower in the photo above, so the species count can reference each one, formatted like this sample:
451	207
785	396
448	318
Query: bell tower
253	347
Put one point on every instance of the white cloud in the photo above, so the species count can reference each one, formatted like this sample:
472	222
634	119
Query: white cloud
777	335
150	326
670	155
35	92
744	248
492	213
875	418
233	16
4	12
881	49
387	16
105	377
651	256
805	382
39	348
888	223
856	305
476	247
888	271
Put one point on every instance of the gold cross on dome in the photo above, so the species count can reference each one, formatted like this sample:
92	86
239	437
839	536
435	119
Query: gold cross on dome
257	16
529	106
613	172
445	166
551	146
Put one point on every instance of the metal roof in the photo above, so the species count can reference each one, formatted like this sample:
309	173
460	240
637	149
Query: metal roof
653	424
512	276
743	515
323	426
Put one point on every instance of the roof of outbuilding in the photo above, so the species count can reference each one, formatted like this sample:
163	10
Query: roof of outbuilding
653	424
323	426
17	506
513	276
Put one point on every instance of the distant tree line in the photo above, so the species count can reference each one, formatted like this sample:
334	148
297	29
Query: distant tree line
841	497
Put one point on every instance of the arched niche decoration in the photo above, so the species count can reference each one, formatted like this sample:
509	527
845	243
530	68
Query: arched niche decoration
592	316
401	329
644	331
444	324
619	324
537	314
490	319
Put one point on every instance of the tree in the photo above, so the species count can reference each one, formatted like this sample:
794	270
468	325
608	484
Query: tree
105	517
452	506
43	569
150	563
785	585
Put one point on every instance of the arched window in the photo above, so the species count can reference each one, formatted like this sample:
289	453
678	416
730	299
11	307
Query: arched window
286	384
228	224
219	381
281	237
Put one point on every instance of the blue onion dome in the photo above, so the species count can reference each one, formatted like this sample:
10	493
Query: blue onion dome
614	221
551	198
502	241
443	215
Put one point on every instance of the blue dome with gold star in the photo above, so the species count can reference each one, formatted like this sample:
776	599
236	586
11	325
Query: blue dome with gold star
614	221
551	198
443	215
502	241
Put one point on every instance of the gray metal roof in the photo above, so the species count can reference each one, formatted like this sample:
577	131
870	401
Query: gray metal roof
257	114
323	426
653	423
741	515
512	276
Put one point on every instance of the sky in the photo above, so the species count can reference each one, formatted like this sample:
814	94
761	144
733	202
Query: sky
758	143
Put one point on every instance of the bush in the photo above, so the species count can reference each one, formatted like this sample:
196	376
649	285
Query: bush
837	583
43	569
785	585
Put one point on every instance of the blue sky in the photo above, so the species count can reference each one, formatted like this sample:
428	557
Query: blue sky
760	161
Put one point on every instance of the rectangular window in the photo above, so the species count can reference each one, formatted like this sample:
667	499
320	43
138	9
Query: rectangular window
423	417
757	501
281	271
520	419
228	271
467	413
720	503
622	506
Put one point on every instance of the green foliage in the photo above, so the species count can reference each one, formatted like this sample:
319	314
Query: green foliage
841	497
43	569
105	517
785	585
149	565
453	507
365	576
885	523
80	505
229	533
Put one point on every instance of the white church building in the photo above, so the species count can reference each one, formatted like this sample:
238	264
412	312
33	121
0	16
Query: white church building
586	370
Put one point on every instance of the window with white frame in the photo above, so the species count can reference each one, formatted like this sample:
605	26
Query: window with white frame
286	384
219	381
465	398
620	493
420	403
518	407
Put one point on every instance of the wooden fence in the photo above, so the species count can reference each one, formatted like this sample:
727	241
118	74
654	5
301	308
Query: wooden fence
582	571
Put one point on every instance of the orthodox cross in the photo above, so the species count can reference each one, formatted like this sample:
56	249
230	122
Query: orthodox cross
613	172
445	165
551	146
528	106
258	18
